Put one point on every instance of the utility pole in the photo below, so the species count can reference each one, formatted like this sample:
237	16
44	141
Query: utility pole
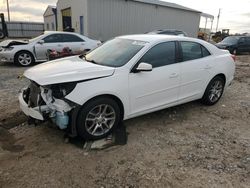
218	18
8	10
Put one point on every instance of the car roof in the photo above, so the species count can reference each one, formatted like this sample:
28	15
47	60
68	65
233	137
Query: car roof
60	32
154	39
150	38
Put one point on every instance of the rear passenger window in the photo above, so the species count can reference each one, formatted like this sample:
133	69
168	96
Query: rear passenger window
71	38
160	55
205	52
191	51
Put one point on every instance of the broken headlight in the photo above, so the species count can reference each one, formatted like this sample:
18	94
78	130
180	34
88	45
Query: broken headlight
61	90
8	49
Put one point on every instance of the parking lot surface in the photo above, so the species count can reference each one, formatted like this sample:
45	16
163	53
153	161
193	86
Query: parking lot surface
186	146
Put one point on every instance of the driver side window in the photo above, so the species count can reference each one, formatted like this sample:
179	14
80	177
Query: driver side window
160	55
54	38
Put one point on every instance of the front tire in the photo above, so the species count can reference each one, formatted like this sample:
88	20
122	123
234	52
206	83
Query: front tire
98	118
24	58
213	91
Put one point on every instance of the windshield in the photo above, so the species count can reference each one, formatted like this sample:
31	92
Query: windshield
230	40
115	53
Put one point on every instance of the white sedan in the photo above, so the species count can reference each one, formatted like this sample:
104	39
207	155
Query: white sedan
126	77
26	53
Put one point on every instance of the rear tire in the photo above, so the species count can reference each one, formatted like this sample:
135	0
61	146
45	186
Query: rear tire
2	36
234	51
214	91
24	59
98	118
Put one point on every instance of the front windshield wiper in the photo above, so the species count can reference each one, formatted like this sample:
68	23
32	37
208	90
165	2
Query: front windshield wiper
92	61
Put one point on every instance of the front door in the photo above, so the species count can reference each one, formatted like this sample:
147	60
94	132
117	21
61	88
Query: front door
159	87
51	42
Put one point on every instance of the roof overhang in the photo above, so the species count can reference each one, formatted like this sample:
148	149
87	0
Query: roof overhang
167	4
205	15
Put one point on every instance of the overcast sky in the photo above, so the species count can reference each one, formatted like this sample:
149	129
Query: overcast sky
235	16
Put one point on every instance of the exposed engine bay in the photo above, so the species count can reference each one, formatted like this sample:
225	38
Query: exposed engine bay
49	102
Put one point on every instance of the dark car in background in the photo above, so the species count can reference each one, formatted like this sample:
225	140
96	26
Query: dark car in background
235	44
169	32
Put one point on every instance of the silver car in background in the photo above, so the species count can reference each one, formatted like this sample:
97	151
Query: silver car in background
26	53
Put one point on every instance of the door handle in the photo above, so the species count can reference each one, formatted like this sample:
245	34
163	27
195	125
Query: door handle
59	45
208	67
173	75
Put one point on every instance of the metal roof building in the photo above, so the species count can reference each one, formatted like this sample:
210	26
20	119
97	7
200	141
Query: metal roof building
104	19
50	19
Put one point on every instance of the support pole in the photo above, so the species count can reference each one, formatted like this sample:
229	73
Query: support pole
218	18
8	10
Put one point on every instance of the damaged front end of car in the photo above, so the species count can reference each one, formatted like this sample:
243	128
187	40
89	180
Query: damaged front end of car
48	102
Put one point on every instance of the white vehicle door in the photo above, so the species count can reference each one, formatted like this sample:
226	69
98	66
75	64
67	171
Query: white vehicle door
195	70
76	44
159	87
50	42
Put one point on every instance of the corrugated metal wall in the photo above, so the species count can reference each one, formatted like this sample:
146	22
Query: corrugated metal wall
110	18
24	29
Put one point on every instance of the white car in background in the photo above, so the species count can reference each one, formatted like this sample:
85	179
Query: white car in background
26	53
126	77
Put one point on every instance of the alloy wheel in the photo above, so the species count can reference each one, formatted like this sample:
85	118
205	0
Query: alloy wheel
100	120
25	59
215	91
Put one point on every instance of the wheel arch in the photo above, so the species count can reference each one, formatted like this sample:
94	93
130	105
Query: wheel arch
72	130
24	51
223	76
115	98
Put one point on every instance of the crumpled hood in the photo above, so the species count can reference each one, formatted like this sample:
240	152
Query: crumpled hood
9	43
68	69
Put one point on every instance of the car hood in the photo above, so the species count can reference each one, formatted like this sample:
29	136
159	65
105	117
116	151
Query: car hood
9	43
70	69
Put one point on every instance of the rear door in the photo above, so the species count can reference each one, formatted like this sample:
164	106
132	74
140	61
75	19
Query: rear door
74	43
242	45
195	70
248	43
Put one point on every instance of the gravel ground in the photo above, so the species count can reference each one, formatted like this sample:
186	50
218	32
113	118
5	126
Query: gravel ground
186	146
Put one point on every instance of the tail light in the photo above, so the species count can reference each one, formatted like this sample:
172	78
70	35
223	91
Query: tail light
233	57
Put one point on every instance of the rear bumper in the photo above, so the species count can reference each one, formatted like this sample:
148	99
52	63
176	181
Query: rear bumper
31	112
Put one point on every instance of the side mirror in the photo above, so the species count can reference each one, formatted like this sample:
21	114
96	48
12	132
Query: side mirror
144	67
41	42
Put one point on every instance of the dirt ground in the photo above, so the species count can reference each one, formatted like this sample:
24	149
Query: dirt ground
186	146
